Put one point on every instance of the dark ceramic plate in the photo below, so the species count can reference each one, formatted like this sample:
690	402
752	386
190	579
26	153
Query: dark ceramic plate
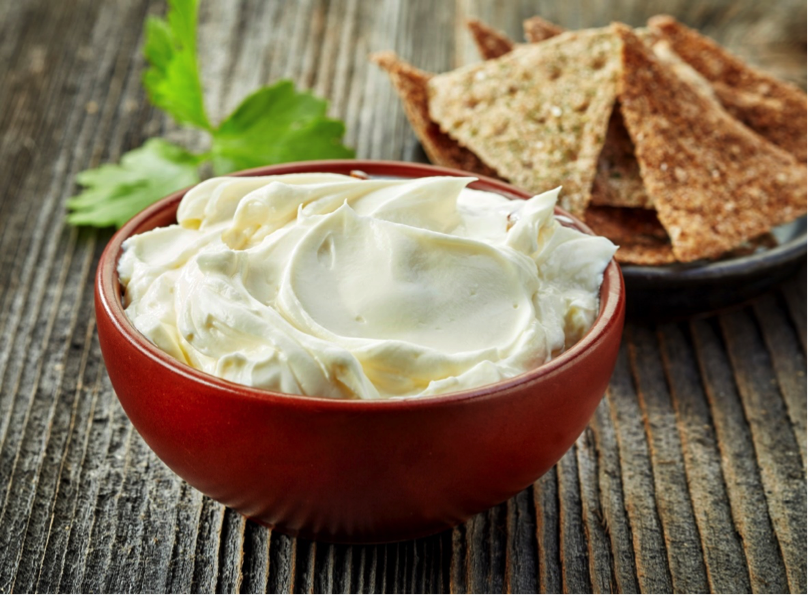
683	290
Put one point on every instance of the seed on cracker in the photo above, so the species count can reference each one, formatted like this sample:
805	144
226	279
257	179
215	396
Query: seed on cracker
773	108
411	85
539	114
713	182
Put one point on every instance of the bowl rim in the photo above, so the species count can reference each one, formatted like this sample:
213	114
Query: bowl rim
612	295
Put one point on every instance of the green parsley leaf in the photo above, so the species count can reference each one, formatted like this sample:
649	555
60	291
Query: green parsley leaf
274	125
114	193
172	80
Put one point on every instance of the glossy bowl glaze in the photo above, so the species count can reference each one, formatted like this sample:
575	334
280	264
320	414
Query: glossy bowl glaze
353	471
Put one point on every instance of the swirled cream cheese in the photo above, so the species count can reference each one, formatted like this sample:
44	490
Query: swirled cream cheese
332	286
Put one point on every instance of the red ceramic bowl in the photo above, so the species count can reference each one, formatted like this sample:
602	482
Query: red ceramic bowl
353	471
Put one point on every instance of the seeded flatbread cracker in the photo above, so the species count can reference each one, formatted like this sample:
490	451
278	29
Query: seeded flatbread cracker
714	182
638	233
773	108
411	85
617	181
537	115
537	29
490	42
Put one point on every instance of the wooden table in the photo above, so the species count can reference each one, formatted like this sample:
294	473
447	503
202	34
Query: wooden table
690	477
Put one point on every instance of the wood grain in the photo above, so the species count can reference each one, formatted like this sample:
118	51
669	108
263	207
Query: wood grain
650	552
775	445
685	557
690	477
724	559
744	489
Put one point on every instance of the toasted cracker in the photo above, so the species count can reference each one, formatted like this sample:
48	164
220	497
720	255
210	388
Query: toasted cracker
773	108
664	53
714	182
539	114
643	240
638	233
411	85
491	43
537	29
618	182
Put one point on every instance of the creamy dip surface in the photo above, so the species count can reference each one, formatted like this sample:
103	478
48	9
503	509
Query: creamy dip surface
331	286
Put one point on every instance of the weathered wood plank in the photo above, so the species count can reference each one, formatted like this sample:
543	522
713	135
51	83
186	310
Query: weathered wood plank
747	500
256	558
457	568
521	564
63	509
189	505
615	520
208	542
485	551
35	105
98	440
71	116
282	562
49	416
788	362
160	517
595	540
574	554
721	546
545	502
124	569
775	445
101	541
231	553
650	553
685	558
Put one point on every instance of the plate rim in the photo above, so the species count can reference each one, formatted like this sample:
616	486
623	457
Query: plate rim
750	264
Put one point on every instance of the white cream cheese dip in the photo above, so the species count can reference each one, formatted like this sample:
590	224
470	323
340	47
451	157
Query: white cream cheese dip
332	286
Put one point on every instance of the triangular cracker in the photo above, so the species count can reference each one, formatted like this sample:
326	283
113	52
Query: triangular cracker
617	182
537	29
490	42
773	108
539	114
411	85
714	182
